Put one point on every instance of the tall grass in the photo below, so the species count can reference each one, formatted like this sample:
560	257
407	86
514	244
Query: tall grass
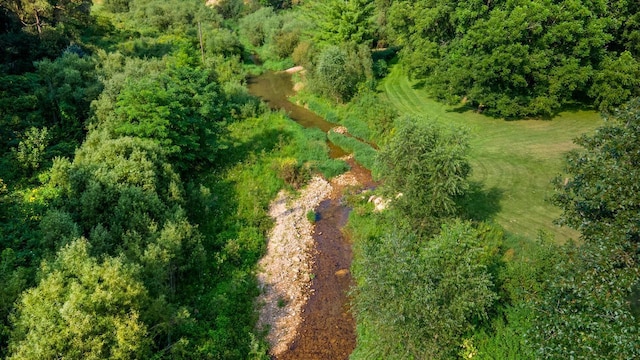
364	154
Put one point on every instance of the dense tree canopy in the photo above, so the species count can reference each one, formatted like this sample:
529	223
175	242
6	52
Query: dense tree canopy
593	296
342	21
418	296
82	308
519	58
136	174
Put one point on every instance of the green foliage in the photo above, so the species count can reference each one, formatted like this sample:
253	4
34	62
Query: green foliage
428	165
101	313
367	116
154	17
19	108
44	113
511	182
230	9
116	6
515	58
375	113
586	311
224	42
364	154
31	149
15	279
340	71
508	340
285	42
38	16
418	298
590	297
58	229
599	198
146	287
312	216
616	82
182	108
68	85
259	26
292	173
338	21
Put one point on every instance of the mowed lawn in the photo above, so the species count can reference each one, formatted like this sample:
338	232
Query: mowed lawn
513	162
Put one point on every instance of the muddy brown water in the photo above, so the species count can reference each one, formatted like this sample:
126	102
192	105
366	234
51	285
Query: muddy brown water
328	327
275	88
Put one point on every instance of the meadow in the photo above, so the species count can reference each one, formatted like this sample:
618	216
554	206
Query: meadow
514	162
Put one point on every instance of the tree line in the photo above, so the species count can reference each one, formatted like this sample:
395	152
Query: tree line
120	234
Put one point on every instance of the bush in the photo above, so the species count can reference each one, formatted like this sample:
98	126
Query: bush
340	70
312	216
418	296
285	42
258	26
292	172
303	53
116	6
430	166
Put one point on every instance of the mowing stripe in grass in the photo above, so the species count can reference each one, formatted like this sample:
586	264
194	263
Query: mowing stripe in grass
513	160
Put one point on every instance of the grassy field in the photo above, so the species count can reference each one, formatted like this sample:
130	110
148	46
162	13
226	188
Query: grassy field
513	161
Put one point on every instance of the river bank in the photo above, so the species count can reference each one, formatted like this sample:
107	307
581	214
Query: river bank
305	274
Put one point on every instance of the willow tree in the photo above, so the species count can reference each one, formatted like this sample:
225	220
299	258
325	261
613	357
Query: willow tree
426	168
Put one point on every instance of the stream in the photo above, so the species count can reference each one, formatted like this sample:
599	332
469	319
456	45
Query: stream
328	327
275	88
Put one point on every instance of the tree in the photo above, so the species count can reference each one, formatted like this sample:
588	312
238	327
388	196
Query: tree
182	108
518	58
36	15
617	81
591	308
342	21
67	86
425	168
122	184
600	198
117	6
31	149
81	308
259	26
418	297
340	70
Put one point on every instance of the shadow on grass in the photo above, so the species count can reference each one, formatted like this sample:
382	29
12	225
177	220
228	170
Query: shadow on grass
463	109
491	113
481	204
265	141
420	84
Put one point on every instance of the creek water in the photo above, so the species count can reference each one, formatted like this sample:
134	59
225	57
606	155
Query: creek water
275	88
328	327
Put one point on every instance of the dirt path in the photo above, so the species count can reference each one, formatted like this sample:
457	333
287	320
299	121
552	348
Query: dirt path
305	301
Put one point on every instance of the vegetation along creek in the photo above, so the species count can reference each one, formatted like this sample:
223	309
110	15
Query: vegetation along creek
160	200
327	330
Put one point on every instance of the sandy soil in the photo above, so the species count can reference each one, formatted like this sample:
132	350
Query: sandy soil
286	270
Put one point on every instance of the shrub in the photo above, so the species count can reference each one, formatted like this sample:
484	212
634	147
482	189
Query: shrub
312	216
292	172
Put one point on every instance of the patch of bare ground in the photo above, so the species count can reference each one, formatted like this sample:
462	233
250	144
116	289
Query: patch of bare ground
285	270
307	315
